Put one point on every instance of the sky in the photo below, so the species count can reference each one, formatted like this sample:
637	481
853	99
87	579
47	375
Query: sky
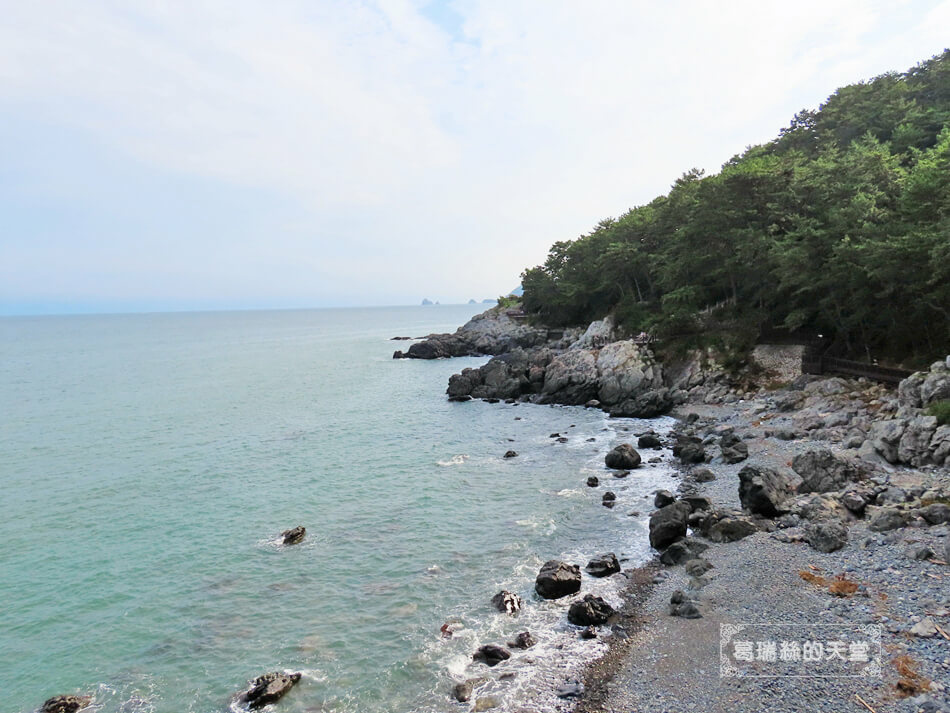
228	154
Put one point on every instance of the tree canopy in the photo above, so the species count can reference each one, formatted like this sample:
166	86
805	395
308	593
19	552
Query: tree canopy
840	225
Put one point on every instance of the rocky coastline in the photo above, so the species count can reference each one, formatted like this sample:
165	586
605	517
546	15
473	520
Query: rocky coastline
801	500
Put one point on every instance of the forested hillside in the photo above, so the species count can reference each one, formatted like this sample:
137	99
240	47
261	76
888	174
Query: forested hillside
841	225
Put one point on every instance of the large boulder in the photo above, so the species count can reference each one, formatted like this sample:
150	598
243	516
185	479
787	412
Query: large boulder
590	611
622	457
603	566
885	437
571	378
668	524
648	404
269	688
925	387
764	491
626	370
822	471
936	513
557	579
914	445
940	445
66	704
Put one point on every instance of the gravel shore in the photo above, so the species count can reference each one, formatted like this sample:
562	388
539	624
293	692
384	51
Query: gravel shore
671	664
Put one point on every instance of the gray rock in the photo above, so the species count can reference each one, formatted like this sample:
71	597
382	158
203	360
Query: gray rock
486	703
692	454
697	502
731	529
887	519
885	436
697	567
590	611
914	445
462	692
919	552
668	524
557	579
603	566
826	536
924	628
269	688
683	607
733	449
703	475
891	496
855	501
649	440
822	471
936	513
663	498
570	690
764	491
622	457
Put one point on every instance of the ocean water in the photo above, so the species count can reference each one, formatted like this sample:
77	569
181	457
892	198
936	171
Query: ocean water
148	464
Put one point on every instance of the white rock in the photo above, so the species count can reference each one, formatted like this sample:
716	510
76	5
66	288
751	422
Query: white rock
924	628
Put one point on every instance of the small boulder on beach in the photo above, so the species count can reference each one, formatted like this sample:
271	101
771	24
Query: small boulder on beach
663	498
649	440
294	535
668	524
557	579
66	704
269	688
590	611
603	566
622	457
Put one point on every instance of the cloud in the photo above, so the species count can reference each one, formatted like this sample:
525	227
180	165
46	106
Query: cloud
424	149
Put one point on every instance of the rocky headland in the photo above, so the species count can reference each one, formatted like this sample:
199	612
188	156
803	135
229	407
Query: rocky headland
802	500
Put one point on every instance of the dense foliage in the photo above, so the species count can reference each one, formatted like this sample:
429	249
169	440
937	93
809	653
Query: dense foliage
841	226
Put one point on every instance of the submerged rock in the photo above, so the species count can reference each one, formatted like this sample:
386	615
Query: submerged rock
593	481
269	688
66	704
511	454
557	579
524	640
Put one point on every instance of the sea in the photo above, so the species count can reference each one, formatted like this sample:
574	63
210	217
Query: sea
149	463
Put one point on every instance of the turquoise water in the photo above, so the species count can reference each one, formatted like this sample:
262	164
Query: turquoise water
149	462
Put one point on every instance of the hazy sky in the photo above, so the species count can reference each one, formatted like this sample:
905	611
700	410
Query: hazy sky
207	154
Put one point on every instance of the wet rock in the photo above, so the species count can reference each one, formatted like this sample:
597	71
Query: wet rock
622	457
590	611
506	602
649	440
887	519
697	502
294	535
703	475
764	491
570	690
589	633
593	481
491	655
524	640
668	524
822	471
511	454
66	704
269	688
663	498
557	579
826	536
621	473
608	499
462	692
603	566
731	529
